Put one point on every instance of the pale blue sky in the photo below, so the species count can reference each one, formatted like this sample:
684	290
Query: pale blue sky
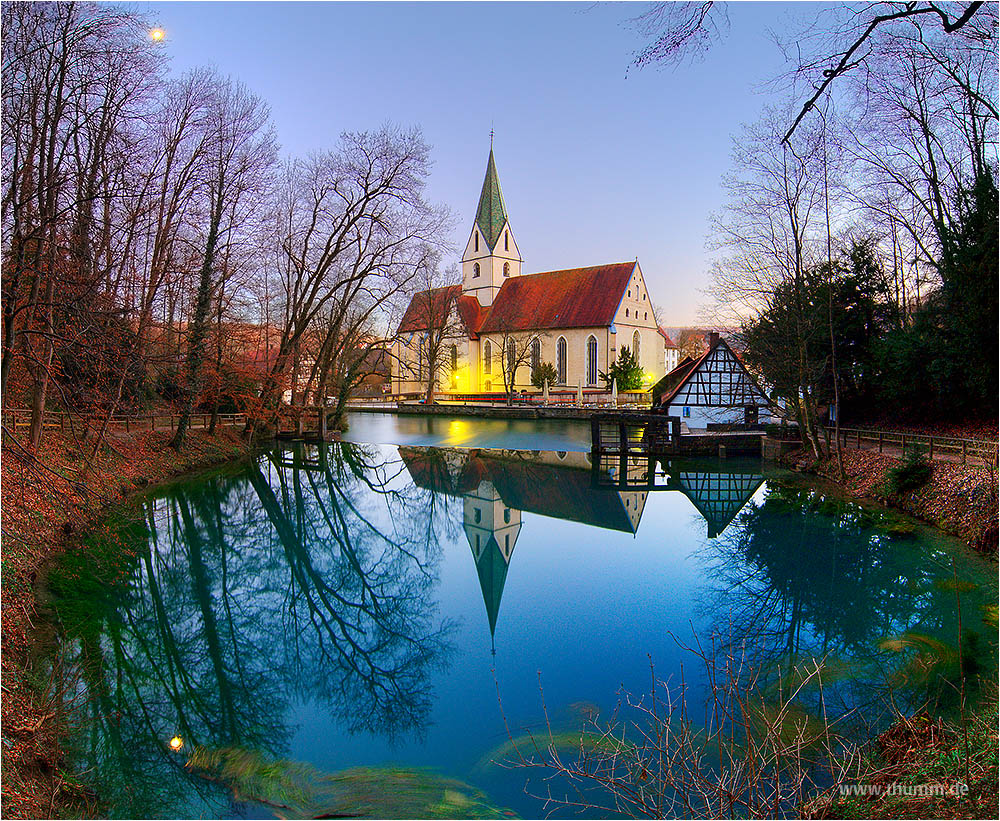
595	167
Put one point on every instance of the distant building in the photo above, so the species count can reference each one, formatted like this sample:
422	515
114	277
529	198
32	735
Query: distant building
716	388
576	319
671	353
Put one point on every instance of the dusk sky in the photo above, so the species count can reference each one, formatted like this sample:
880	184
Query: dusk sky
596	167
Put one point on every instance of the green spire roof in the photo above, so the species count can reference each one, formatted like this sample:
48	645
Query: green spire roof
492	575
492	213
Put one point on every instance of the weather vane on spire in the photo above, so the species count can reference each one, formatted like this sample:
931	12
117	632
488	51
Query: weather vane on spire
491	136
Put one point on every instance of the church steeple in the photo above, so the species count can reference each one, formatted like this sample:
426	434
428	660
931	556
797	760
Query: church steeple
491	217
491	255
491	528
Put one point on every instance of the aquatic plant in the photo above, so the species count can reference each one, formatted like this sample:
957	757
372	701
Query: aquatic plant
293	789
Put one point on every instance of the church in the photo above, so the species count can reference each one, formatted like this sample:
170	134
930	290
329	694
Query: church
508	322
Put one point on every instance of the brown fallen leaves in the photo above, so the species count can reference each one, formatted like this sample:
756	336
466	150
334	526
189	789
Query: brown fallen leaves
44	502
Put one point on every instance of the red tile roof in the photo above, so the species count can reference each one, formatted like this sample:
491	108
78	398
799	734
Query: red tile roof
667	341
471	312
428	307
575	298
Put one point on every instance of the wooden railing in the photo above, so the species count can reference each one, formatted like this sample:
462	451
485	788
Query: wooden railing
941	447
20	419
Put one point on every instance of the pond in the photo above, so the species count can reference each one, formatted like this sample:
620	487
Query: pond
363	627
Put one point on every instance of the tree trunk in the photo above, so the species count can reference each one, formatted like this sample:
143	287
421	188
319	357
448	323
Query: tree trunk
199	326
41	371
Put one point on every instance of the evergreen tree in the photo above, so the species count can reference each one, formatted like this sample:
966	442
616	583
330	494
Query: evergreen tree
625	372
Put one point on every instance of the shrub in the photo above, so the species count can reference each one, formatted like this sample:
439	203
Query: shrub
913	472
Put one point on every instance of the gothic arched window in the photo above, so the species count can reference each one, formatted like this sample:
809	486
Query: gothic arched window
561	360
635	345
475	270
477	240
592	360
536	354
506	269
506	240
454	357
511	359
487	357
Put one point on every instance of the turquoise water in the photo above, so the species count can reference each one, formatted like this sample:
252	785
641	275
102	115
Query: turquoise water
467	432
367	625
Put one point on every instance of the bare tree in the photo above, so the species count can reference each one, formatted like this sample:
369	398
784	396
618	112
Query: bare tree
434	313
836	44
512	350
352	222
75	74
241	151
770	238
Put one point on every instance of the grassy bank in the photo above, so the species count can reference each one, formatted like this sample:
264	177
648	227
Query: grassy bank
46	502
961	500
904	766
918	768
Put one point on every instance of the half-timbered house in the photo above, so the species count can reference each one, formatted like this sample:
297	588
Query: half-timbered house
716	388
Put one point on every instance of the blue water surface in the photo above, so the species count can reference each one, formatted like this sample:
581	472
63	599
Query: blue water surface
367	626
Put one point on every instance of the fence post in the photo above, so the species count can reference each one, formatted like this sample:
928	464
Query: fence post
880	441
859	439
931	448
963	451
902	441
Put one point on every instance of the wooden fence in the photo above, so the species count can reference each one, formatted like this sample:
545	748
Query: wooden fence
946	448
20	419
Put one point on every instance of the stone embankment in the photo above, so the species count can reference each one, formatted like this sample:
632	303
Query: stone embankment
484	411
46	502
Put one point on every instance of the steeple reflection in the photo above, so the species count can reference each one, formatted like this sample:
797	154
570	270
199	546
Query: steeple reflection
497	486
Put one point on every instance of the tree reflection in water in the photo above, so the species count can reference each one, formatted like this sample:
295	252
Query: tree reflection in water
306	575
801	576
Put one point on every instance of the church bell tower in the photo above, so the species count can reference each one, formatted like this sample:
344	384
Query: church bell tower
491	255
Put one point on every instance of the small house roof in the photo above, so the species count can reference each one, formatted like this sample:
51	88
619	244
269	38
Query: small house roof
667	341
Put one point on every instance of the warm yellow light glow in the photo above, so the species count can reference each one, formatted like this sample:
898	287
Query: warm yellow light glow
460	378
458	432
157	34
176	743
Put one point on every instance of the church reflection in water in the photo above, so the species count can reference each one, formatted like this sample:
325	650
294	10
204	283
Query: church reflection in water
497	486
